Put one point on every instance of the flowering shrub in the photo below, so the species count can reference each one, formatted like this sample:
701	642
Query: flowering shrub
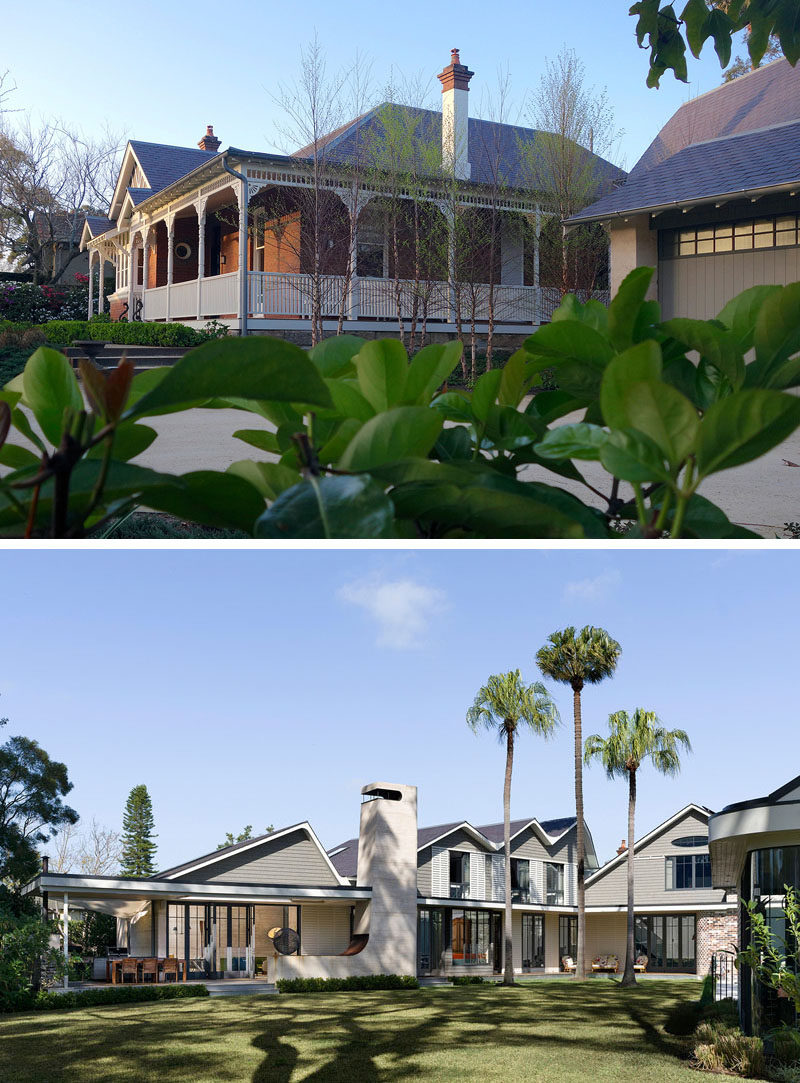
37	304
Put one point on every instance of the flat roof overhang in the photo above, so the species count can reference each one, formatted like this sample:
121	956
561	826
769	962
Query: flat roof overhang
734	832
109	888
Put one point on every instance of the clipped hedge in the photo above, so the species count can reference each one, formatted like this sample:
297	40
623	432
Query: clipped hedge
346	985
94	998
467	979
64	332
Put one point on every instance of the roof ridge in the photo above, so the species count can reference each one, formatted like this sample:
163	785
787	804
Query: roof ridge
723	86
733	135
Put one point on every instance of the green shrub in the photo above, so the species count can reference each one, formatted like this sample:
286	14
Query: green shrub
12	362
65	332
346	985
467	979
94	998
786	1045
721	1048
785	1073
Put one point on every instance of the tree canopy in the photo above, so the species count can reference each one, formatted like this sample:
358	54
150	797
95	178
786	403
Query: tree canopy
667	34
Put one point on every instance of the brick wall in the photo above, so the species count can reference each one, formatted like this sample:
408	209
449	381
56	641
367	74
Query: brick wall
717	930
116	308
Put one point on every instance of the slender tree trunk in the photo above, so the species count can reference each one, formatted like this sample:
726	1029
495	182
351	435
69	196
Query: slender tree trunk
629	977
580	962
508	936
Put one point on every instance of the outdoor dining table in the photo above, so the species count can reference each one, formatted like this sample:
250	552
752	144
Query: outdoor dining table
114	969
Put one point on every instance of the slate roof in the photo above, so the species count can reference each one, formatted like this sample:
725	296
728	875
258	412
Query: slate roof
722	167
163	165
98	225
345	855
740	137
488	142
139	195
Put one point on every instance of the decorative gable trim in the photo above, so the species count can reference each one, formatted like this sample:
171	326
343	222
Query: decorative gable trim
651	836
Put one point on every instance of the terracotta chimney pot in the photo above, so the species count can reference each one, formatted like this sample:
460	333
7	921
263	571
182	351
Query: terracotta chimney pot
209	140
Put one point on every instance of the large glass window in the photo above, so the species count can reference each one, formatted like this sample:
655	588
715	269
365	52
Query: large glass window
520	880
668	941
532	941
471	937
567	936
776	232
688	871
459	875
554	884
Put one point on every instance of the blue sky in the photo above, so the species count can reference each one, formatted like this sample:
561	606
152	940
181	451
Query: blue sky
163	70
253	686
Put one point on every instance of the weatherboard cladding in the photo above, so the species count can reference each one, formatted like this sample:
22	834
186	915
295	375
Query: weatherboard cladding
290	859
610	889
738	163
770	95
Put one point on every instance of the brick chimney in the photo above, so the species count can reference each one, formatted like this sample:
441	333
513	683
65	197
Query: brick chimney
45	863
209	140
623	846
455	116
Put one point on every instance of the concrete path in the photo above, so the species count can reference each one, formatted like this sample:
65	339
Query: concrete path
761	495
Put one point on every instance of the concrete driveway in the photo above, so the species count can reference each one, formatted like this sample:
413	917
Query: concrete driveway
761	495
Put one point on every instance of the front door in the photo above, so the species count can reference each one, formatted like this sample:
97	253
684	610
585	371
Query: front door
497	943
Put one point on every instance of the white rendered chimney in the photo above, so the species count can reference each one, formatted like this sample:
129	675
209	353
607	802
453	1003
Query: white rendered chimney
455	116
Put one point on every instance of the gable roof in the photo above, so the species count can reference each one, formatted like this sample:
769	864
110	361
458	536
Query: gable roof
163	164
62	226
239	847
647	839
732	167
97	224
345	856
488	143
767	96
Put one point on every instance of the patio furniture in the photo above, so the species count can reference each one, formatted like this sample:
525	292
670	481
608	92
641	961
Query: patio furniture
605	962
568	964
171	970
130	971
149	971
640	963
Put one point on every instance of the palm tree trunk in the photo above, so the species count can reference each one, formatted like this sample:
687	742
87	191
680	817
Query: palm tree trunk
580	962
508	968
629	977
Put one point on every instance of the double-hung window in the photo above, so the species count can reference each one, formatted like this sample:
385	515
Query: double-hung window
459	874
554	884
520	880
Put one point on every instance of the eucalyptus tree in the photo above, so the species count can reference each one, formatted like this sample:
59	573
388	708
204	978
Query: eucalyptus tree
505	705
577	659
631	740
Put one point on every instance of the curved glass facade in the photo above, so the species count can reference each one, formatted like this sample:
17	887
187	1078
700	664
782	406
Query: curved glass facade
767	873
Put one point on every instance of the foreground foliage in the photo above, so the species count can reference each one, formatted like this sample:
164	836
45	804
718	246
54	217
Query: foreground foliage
364	443
357	983
45	1001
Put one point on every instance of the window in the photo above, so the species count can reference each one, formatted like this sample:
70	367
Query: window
520	880
668	941
567	936
532	941
369	260
471	937
776	232
688	871
430	939
554	884
691	840
459	875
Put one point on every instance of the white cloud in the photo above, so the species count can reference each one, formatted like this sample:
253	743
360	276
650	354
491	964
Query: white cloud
591	590
402	608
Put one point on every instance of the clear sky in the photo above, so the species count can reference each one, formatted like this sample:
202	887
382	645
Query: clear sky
257	687
161	71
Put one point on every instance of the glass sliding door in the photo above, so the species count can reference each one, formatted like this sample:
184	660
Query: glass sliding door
532	941
668	941
567	936
471	937
430	940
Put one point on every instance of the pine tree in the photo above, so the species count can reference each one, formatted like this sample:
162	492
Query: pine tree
138	848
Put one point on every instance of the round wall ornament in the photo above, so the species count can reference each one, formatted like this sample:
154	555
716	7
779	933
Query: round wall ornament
183	250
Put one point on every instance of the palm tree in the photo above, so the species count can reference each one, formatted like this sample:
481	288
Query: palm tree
577	659
632	739
503	705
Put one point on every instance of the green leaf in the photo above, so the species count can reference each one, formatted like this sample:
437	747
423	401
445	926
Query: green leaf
454	406
382	367
144	382
624	309
777	334
720	28
334	446
705	520
513	382
454	443
741	312
429	369
695	16
580	441
743	426
129	441
593	313
580	379
508	429
484	394
641	362
403	432
717	345
50	387
680	373
16	457
334	356
631	456
348	400
259	438
253	368
570	340
549	406
331	507
270	479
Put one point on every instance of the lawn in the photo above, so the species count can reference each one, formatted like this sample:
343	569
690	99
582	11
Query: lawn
554	1031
